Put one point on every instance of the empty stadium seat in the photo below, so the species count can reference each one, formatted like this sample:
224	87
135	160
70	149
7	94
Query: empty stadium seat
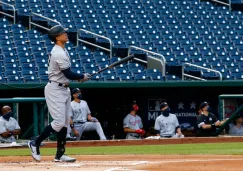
183	31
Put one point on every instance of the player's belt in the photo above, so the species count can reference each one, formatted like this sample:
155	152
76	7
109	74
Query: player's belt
79	122
60	84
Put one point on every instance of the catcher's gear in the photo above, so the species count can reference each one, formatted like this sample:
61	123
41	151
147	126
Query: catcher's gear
56	31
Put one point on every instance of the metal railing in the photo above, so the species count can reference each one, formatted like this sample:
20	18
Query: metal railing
41	16
197	66
148	52
14	11
92	44
223	3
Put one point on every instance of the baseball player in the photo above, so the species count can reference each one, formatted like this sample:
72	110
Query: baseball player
57	94
132	124
167	125
9	127
236	129
81	119
207	121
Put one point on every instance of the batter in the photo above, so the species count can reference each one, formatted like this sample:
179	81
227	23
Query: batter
57	94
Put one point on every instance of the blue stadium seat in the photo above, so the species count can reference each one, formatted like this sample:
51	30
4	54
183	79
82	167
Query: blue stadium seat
14	79
183	31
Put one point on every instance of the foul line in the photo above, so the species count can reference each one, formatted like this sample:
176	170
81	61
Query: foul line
194	160
140	162
120	168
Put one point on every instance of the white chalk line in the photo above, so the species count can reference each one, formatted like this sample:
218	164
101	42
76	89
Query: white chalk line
70	165
120	168
140	162
132	164
197	160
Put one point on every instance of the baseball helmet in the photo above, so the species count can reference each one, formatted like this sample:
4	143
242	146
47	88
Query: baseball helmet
56	31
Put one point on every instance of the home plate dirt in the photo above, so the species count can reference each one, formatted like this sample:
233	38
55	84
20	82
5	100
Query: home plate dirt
128	163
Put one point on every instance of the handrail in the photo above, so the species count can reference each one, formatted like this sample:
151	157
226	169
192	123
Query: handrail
92	44
14	11
39	15
147	51
223	3
197	66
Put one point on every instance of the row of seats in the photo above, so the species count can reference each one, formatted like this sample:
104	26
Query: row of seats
183	31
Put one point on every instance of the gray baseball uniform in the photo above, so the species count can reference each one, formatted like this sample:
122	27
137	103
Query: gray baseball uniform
58	97
80	112
11	125
166	125
233	130
133	122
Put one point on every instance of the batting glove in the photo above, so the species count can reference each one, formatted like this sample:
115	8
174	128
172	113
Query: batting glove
140	131
87	76
94	119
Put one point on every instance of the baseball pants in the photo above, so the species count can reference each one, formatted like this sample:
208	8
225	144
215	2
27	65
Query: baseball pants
89	126
7	140
58	101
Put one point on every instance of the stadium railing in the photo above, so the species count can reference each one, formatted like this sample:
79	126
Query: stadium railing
221	2
9	15
149	52
92	44
197	66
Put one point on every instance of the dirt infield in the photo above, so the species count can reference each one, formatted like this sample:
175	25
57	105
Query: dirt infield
132	162
128	162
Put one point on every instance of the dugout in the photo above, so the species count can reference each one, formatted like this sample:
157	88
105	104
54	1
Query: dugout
108	101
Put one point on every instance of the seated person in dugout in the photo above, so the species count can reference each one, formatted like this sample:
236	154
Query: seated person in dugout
133	124
81	119
236	129
9	127
167	125
207	122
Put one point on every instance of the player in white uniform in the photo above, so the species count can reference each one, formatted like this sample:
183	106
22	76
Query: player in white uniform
236	129
167	124
9	127
81	119
57	94
133	124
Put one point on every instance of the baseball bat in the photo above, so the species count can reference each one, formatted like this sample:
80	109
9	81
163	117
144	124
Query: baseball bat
128	58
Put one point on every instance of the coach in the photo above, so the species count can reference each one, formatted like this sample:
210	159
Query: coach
207	122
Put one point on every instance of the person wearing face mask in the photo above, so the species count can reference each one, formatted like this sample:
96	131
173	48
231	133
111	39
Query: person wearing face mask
81	118
207	121
236	129
167	125
9	127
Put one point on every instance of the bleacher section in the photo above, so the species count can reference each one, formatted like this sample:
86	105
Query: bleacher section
200	33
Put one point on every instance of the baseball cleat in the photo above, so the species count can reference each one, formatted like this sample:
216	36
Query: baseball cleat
35	152
65	158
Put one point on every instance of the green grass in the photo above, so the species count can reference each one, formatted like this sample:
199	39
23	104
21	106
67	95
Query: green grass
214	148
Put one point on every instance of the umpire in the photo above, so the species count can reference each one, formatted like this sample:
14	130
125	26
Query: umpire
206	122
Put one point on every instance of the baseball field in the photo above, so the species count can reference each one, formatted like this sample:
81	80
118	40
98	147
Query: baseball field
189	154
